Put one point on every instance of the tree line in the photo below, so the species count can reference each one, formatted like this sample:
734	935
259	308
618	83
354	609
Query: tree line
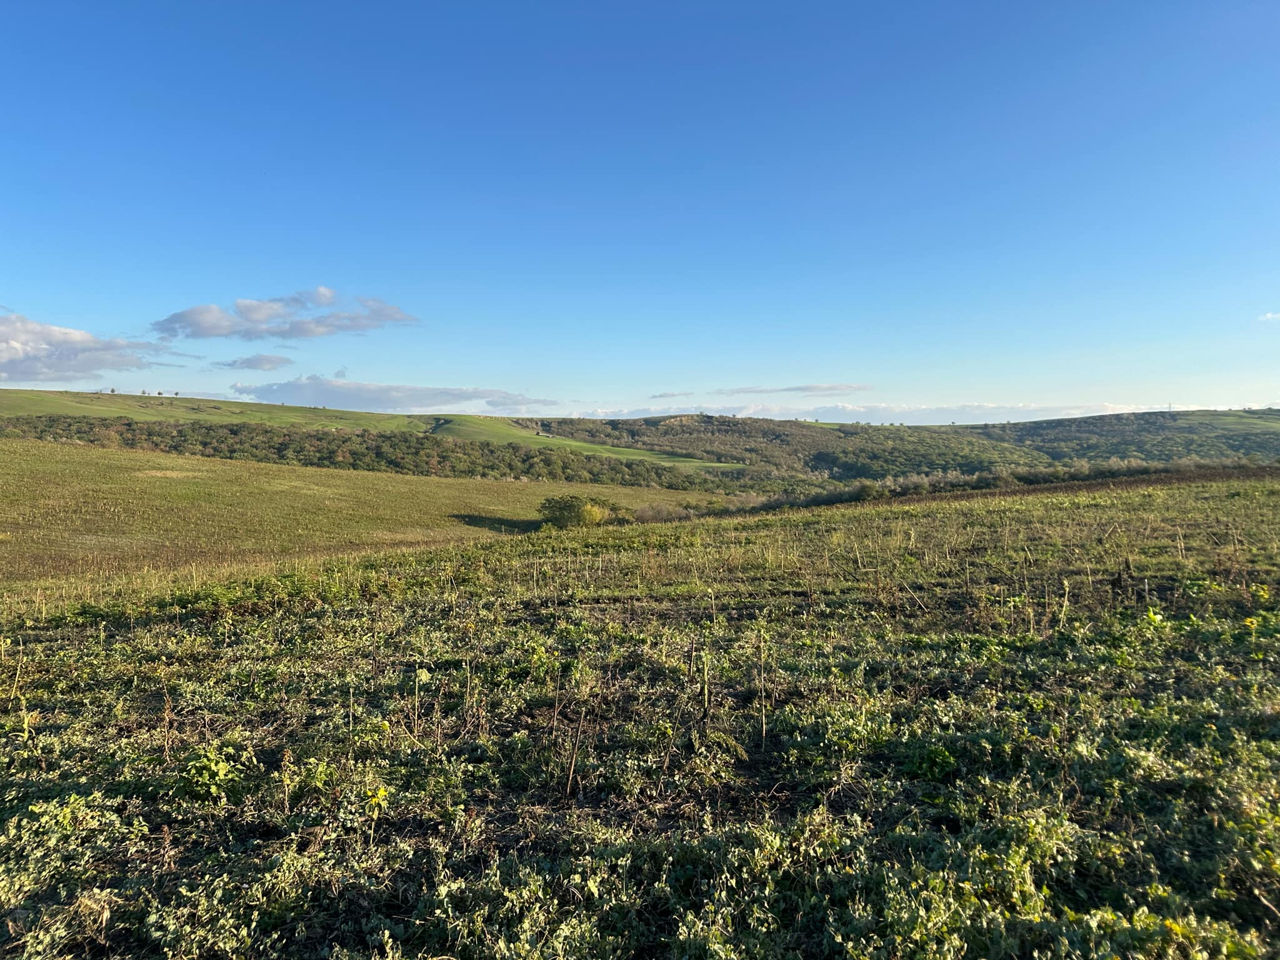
420	454
789	467
852	452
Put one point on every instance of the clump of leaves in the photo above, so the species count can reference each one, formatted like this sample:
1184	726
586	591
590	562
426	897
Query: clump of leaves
214	771
573	511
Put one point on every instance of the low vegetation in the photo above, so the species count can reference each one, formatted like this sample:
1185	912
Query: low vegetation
398	451
500	430
570	511
77	520
1042	725
851	452
169	407
789	461
1153	437
789	447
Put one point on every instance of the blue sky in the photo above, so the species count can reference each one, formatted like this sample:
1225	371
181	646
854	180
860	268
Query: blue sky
915	212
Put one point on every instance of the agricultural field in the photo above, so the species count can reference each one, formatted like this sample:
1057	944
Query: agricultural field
78	521
1043	725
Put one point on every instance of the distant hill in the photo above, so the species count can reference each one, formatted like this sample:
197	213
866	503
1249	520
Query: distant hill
170	409
839	451
67	403
846	452
731	454
1159	436
502	430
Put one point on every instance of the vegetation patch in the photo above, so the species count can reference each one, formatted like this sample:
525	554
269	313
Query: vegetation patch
1016	726
396	451
77	521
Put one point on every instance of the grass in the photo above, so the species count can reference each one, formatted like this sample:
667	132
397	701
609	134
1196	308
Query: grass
1000	727
25	403
797	452
1266	419
22	403
76	518
500	430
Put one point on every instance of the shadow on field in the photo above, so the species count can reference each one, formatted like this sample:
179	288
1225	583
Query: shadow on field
497	524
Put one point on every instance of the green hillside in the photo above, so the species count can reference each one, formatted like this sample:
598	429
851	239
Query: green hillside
1204	434
853	451
502	430
29	403
728	453
76	514
840	452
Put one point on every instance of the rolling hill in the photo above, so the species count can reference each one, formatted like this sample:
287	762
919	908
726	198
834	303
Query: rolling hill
854	451
1156	436
502	430
727	454
170	409
67	403
72	515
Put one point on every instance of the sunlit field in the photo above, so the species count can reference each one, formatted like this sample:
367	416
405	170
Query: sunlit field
1042	725
75	521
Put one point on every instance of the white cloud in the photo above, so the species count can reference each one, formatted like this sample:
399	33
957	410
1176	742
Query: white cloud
300	316
671	396
1271	317
317	391
883	412
259	361
810	389
31	351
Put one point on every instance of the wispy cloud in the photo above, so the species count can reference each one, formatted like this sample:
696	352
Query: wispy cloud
259	361
883	412
810	389
1271	317
302	315
31	351
670	396
317	391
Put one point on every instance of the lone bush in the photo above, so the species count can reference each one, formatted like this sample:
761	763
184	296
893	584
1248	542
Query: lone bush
570	511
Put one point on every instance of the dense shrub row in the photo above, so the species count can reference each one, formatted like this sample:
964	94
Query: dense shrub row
845	452
853	451
423	454
1154	437
778	459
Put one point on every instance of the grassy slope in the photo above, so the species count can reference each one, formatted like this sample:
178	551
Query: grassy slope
76	514
926	730
846	451
849	451
500	430
24	403
15	403
1157	435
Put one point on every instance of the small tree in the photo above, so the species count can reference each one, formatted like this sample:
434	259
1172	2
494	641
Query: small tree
570	511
